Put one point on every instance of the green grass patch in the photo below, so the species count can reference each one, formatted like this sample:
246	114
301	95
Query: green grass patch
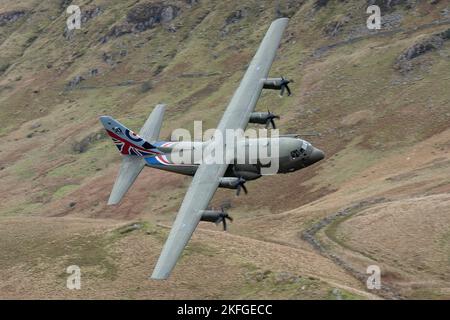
286	285
24	169
87	163
64	190
22	208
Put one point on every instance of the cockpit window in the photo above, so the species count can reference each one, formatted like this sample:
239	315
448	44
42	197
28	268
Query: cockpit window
295	154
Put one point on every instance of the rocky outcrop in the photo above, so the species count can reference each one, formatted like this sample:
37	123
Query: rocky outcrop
63	4
404	63
236	16
146	16
83	145
75	82
10	16
333	28
143	17
233	18
86	15
421	48
89	14
93	72
192	2
117	31
107	58
320	4
388	5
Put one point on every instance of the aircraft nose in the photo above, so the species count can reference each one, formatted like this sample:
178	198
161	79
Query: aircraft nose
315	156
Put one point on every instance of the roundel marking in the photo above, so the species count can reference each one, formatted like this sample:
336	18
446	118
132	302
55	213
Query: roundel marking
132	136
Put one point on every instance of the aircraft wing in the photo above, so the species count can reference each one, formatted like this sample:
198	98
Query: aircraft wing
197	198
207	177
244	99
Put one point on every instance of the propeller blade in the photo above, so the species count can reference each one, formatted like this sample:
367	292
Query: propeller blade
244	188
239	184
288	90
273	123
224	221
282	91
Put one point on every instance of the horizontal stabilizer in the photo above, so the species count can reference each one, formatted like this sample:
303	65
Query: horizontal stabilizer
129	170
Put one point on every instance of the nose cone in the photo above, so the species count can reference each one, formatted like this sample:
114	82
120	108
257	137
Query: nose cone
315	156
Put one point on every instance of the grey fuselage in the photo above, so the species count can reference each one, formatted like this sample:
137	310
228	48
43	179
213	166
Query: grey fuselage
293	154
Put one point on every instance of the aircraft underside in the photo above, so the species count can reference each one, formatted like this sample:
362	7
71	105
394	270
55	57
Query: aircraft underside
246	171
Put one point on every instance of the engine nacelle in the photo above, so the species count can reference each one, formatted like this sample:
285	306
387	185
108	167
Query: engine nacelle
278	84
233	183
216	217
213	216
273	83
229	182
260	117
266	118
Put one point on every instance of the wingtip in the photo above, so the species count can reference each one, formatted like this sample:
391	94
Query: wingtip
157	276
160	272
114	198
281	19
280	23
161	108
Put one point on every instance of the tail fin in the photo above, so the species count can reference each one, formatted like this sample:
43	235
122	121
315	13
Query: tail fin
128	142
131	165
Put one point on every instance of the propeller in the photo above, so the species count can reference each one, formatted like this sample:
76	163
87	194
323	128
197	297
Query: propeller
284	86
223	218
270	119
239	184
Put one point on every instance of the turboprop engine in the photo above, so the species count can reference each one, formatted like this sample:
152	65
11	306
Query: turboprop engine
216	217
266	118
278	84
236	183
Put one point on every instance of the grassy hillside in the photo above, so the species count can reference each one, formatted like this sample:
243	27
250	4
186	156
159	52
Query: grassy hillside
379	99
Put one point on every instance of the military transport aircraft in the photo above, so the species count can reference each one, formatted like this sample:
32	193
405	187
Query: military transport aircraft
145	150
